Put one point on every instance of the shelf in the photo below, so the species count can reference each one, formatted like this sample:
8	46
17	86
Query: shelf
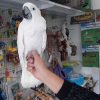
43	4
61	9
8	39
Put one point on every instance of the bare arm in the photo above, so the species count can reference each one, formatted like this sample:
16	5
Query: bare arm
41	72
63	89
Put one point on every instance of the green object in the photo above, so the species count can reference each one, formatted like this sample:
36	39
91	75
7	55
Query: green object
14	43
90	37
70	64
9	44
10	12
91	59
8	34
85	5
1	35
15	88
4	35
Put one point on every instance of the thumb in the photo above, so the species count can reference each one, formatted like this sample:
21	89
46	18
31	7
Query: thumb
32	54
31	69
35	54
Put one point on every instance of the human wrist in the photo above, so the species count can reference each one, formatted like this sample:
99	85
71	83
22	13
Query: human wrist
52	81
44	75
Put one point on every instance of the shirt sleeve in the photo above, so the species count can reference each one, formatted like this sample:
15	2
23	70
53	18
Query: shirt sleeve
71	91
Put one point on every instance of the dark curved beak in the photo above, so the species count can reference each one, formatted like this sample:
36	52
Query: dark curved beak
26	13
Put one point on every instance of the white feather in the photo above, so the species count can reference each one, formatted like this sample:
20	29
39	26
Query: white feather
31	35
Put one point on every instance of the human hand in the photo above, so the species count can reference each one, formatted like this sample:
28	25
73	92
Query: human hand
36	65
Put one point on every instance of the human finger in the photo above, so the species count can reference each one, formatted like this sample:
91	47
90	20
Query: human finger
31	69
29	56
30	60
30	65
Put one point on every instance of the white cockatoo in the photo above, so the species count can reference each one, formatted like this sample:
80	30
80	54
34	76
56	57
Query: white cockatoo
31	35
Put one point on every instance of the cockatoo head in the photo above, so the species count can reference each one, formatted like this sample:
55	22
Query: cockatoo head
30	10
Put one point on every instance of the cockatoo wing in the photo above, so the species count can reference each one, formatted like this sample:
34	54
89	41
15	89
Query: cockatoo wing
44	37
20	45
31	35
27	79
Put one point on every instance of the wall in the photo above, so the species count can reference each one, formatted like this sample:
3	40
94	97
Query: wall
54	21
75	34
95	4
75	38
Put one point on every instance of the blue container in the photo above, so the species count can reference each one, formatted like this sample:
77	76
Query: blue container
73	77
68	71
78	79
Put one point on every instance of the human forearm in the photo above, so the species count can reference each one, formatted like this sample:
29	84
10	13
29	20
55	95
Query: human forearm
63	89
52	81
39	70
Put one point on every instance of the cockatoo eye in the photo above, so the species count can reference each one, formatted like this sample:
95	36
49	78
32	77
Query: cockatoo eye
33	8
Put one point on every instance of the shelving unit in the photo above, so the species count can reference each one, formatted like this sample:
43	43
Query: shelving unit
62	9
49	6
